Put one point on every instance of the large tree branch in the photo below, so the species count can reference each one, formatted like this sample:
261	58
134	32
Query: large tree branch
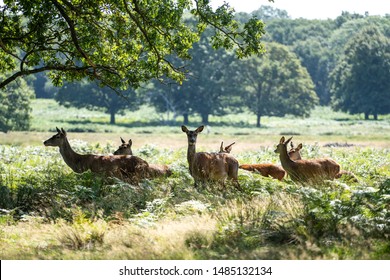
73	34
42	69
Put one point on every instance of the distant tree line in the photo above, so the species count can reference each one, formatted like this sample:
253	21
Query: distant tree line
342	63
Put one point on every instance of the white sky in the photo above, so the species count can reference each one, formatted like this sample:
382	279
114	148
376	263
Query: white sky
312	9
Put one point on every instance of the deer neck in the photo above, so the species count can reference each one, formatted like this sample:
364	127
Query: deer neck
285	159
71	158
191	151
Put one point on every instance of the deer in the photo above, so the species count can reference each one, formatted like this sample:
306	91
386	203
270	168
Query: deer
227	149
314	170
296	155
154	170
209	167
269	169
125	167
124	148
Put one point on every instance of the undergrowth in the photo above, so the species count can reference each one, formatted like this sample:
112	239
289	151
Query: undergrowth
50	212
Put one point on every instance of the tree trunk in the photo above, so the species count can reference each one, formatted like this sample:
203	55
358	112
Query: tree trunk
375	116
366	116
258	124
112	117
205	119
185	119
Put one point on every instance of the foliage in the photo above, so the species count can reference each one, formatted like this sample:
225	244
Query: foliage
121	44
361	81
100	218
275	84
89	95
206	91
15	106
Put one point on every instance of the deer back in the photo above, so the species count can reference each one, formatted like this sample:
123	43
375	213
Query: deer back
266	170
214	166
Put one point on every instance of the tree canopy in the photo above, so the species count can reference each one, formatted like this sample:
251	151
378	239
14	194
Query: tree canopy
361	80
15	106
85	94
275	84
120	43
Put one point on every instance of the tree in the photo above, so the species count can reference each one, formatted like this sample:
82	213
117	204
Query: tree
15	106
85	94
119	43
275	84
360	83
204	92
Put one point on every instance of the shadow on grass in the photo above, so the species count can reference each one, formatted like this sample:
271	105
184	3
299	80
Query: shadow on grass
154	123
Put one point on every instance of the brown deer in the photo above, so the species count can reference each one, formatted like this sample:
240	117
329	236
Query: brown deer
266	170
120	166
125	148
154	170
269	169
314	170
296	155
208	167
227	149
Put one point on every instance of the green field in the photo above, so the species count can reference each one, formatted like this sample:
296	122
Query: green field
49	212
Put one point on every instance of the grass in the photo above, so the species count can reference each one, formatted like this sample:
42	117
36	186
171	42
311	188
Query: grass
49	212
145	126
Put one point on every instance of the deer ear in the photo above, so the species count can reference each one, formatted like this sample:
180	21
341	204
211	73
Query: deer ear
199	129
281	140
288	140
123	141
300	146
130	142
221	148
184	128
229	148
63	131
58	130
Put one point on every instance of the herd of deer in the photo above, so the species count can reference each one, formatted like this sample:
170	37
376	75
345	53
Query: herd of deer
204	167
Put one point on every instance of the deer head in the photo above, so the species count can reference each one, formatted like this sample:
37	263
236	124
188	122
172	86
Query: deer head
125	148
294	153
192	134
282	146
56	140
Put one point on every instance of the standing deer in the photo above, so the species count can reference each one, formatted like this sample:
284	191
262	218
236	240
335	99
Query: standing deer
207	167
306	170
125	148
119	166
296	155
154	170
269	169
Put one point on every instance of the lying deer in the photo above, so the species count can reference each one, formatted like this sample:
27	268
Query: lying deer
297	156
125	148
154	170
295	153
306	170
208	167
119	166
269	169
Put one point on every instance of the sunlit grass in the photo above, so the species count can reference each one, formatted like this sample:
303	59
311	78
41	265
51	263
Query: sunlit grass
49	212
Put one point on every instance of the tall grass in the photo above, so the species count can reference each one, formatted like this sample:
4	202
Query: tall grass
49	212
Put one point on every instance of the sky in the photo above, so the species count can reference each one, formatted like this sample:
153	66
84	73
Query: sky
313	9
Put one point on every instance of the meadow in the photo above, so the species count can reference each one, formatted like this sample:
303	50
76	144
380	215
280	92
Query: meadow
49	212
